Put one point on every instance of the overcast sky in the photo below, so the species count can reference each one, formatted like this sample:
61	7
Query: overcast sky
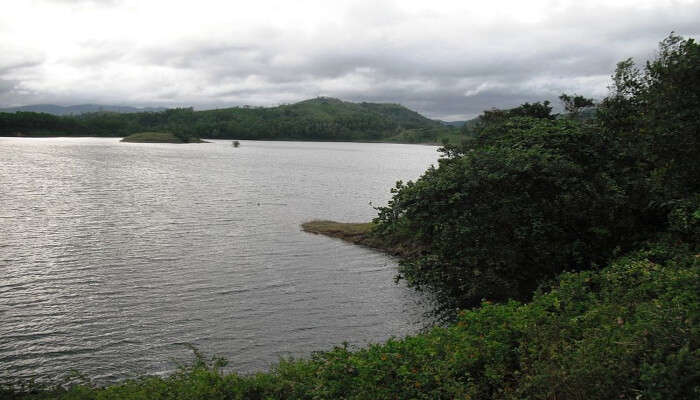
445	59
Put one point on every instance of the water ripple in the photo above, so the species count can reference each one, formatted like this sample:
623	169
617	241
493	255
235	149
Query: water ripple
115	255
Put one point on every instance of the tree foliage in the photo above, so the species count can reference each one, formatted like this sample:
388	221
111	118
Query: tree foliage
530	197
574	104
655	112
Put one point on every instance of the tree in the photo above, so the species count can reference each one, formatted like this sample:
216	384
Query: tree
574	104
530	197
523	203
656	111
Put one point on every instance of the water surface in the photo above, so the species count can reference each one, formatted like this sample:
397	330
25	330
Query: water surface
114	255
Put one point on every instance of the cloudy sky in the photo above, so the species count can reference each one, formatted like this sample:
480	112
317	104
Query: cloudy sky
445	59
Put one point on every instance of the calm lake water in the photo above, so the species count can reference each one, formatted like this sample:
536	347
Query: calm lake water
115	255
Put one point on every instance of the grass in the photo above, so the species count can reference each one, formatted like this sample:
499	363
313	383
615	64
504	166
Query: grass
362	233
350	231
157	137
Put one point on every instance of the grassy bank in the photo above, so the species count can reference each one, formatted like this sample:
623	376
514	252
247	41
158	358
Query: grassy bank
362	233
357	233
159	137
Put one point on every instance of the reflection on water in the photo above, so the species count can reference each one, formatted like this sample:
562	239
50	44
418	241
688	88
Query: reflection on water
113	255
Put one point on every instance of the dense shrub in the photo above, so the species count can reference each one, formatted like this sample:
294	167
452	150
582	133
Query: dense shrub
514	209
655	112
530	196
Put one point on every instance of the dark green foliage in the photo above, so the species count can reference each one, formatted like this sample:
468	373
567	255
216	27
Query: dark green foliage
522	202
529	196
490	119
628	331
494	117
684	219
534	110
315	119
574	104
37	124
655	112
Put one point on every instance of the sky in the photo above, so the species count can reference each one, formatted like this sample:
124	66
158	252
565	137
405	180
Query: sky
445	59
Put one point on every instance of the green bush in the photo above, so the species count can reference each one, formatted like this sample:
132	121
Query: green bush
530	196
514	209
655	112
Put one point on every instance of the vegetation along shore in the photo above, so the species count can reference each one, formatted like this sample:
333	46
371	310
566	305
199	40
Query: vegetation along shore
564	254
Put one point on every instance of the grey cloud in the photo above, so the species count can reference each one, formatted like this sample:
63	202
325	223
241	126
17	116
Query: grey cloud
98	52
381	53
7	86
9	66
195	55
85	2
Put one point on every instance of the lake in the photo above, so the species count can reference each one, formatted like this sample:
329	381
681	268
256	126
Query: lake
114	256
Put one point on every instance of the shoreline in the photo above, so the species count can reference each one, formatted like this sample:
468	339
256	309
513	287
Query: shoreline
208	140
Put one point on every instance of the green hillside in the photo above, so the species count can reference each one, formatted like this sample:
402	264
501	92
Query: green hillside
321	118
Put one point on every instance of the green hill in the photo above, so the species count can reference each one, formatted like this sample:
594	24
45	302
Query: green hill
321	118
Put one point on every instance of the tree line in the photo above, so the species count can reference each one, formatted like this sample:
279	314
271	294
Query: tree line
315	119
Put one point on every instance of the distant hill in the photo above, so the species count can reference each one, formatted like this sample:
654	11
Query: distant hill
321	118
472	123
332	108
79	109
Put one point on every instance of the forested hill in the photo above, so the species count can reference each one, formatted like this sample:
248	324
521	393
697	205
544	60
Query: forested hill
396	113
321	118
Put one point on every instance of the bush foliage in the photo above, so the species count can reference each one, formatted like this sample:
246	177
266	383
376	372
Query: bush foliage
532	196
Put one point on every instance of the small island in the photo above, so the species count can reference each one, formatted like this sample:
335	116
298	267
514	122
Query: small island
160	137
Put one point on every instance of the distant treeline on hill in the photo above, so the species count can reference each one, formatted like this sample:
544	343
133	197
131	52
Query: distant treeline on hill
315	119
78	109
